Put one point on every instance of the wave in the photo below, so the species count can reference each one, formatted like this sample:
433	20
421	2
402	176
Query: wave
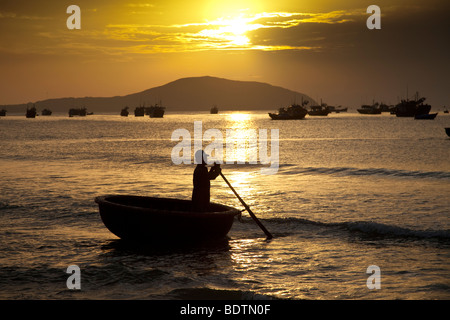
348	171
370	229
4	206
379	229
293	169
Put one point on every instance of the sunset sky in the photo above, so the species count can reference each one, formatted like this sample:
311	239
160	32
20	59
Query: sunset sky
318	47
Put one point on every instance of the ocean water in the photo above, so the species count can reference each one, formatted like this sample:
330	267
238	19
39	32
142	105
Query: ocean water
351	191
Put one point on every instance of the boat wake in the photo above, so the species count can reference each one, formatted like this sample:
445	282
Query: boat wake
366	229
379	229
5	205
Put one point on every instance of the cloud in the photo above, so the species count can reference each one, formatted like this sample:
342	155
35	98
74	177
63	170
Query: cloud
12	15
226	33
263	31
140	5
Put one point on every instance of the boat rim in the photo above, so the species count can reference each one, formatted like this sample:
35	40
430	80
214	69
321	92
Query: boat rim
104	199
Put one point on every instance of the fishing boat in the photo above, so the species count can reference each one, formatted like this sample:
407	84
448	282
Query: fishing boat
321	110
387	108
367	109
139	111
426	116
293	112
214	110
31	112
411	108
163	220
77	112
337	110
156	111
124	112
46	112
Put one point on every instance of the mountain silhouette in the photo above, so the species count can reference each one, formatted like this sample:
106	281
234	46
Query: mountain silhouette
186	94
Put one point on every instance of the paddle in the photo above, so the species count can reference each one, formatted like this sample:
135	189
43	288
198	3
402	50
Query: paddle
268	234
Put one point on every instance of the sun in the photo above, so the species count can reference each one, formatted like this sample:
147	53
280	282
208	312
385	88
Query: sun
230	31
237	26
235	29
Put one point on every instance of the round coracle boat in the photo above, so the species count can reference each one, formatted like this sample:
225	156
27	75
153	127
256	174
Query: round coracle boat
164	220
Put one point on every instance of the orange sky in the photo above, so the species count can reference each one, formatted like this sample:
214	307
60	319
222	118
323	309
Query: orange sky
321	48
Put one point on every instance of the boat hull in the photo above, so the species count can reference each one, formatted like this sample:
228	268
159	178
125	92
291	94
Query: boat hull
319	113
411	109
333	109
157	114
429	116
163	220
369	111
275	116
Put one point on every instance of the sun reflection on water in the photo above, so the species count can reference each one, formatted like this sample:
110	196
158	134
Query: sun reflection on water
238	117
241	139
243	255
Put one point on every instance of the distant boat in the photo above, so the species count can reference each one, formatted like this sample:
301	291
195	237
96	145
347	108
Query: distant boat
156	111
139	111
411	108
387	108
367	109
46	112
124	112
77	112
427	116
321	110
214	110
3	113
337	110
445	111
31	113
447	131
293	112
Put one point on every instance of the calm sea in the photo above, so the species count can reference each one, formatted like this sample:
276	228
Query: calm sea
351	191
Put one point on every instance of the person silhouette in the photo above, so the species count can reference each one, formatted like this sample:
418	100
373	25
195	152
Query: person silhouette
202	185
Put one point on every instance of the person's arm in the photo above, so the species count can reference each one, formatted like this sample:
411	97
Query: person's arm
214	171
